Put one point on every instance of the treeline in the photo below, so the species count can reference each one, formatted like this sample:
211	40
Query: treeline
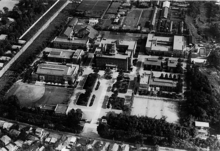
145	130
10	108
201	102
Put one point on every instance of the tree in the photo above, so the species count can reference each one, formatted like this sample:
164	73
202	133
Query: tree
214	58
6	10
161	76
108	73
103	130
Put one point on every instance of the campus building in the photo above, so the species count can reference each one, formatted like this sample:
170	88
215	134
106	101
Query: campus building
63	55
150	83
116	54
56	73
74	38
165	45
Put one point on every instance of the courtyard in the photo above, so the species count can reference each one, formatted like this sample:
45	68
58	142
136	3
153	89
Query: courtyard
155	108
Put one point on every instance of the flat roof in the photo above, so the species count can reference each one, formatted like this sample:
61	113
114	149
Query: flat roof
130	44
178	43
166	4
153	42
162	82
66	54
68	31
75	40
77	52
61	108
144	79
153	61
172	63
55	69
201	124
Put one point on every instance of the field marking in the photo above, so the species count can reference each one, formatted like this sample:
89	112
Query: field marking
139	17
94	5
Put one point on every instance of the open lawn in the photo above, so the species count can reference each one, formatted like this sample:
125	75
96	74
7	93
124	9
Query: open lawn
132	18
26	93
145	16
55	95
155	109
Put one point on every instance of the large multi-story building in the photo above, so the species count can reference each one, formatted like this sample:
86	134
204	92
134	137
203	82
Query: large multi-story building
166	45
57	73
63	55
116	54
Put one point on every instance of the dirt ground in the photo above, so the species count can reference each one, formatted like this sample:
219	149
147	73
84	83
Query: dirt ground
155	109
27	93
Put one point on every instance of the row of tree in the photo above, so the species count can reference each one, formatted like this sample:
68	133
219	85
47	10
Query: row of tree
11	108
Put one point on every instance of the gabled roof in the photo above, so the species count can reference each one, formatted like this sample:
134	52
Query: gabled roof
68	31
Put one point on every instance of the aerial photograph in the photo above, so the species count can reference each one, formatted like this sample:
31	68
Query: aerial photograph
109	75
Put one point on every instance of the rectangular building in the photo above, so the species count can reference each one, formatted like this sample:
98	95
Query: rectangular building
56	73
113	53
63	55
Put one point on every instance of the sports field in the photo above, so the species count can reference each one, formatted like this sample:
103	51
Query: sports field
155	109
26	93
132	18
31	94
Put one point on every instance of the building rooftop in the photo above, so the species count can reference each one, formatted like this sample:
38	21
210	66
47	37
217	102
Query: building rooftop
158	43
55	69
68	31
119	54
178	43
61	109
74	40
73	22
3	36
172	63
201	124
162	82
60	53
166	4
153	61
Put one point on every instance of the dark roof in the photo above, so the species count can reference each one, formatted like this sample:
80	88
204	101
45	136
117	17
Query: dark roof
153	61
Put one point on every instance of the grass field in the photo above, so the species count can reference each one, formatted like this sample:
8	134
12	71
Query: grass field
30	94
132	18
155	109
54	95
26	93
145	16
43	20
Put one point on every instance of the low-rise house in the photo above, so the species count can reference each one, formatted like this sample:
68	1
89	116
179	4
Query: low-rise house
202	129
1	123
3	149
93	21
113	147
39	132
153	63
3	37
14	133
5	139
11	147
125	147
7	125
15	47
19	143
56	73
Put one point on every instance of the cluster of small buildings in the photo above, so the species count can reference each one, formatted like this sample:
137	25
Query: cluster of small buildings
16	137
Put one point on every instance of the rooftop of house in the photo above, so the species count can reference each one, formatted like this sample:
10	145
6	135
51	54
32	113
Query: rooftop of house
55	69
178	43
61	109
68	31
73	22
77	53
3	36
